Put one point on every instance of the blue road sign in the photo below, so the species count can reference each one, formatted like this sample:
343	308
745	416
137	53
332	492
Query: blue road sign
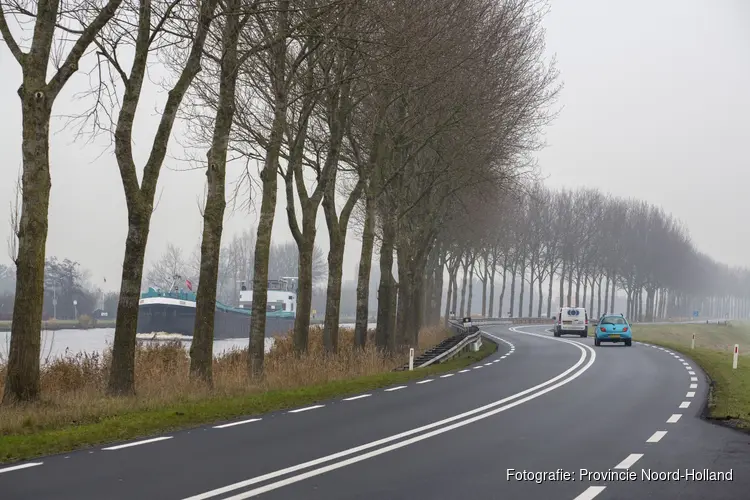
696	314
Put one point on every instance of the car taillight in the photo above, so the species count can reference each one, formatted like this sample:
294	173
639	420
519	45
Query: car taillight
603	329
625	329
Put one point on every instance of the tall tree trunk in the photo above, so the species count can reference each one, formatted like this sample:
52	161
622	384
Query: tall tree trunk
491	311
549	291
501	303
306	247
201	348
562	284
599	298
512	292
540	283
463	286
520	295
268	177
122	370
363	276
531	292
471	290
386	289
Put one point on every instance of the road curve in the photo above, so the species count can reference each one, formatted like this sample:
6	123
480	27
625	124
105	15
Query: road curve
540	404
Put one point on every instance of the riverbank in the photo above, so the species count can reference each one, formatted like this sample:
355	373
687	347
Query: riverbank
75	413
729	399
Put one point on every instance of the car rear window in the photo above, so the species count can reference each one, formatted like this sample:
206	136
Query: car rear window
613	320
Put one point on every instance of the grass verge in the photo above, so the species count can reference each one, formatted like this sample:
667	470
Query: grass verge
729	397
186	414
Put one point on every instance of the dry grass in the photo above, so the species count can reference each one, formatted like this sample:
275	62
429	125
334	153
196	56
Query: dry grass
714	337
73	386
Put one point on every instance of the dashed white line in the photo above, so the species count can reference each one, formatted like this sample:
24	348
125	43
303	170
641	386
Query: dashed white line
628	462
396	388
674	418
308	408
136	443
446	375
690	394
463	371
232	424
691	373
681	359
693	379
19	467
656	436
688	367
425	381
477	367
591	492
503	357
693	386
354	398
488	364
685	404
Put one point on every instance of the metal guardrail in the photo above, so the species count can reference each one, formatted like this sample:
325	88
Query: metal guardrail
472	335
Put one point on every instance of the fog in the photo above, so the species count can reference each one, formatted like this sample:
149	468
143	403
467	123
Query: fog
654	107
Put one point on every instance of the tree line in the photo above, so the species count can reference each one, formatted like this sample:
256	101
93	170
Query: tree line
580	248
400	119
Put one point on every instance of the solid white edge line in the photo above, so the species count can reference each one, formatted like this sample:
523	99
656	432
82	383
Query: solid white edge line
629	461
232	424
249	482
136	443
354	398
690	394
307	408
397	388
591	492
685	404
674	418
656	436
19	467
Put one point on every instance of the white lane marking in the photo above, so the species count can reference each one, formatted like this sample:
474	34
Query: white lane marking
685	404
425	381
691	373
137	443
693	379
488	364
503	357
446	375
249	482
628	462
681	359
591	492
688	367
232	424
19	467
693	386
308	408
396	388
685	363
463	371
477	367
496	361
674	418
690	394
656	437
354	398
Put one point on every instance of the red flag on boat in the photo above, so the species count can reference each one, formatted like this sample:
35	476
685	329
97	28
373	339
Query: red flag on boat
189	285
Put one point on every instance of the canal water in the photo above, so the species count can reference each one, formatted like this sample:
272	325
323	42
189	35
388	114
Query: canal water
95	340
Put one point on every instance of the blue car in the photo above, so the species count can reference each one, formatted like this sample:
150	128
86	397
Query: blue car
613	328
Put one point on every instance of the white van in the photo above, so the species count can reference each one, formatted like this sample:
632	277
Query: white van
572	321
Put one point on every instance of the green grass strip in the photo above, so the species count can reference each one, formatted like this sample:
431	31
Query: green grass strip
139	424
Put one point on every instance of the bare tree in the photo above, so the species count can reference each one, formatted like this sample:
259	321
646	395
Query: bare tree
83	20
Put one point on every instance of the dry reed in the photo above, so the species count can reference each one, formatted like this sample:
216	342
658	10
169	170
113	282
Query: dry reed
73	386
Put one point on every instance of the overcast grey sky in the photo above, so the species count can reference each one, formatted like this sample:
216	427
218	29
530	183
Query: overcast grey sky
655	105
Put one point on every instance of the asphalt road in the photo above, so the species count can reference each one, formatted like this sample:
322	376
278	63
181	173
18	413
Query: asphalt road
539	405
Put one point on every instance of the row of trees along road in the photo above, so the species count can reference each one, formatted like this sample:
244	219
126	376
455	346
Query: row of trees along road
415	113
580	248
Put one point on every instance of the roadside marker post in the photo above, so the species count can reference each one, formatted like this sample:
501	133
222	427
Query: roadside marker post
736	355
411	359
692	344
